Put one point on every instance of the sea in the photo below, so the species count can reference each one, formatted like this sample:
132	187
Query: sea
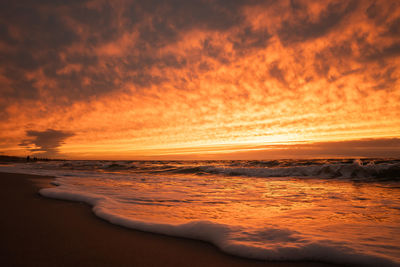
344	211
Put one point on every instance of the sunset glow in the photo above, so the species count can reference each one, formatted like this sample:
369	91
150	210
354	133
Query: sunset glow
200	79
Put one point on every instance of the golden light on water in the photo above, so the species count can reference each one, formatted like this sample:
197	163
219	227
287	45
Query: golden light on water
304	209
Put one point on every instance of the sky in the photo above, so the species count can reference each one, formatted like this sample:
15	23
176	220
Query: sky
210	79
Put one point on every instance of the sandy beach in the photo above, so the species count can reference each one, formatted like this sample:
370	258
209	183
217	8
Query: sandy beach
45	232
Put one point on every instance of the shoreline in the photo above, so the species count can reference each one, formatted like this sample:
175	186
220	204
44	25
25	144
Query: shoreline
48	232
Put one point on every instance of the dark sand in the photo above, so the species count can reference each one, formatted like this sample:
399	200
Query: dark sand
36	231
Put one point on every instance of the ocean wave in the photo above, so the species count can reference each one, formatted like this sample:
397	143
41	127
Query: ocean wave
390	172
355	169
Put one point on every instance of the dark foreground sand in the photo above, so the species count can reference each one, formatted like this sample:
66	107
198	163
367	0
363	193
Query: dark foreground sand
36	231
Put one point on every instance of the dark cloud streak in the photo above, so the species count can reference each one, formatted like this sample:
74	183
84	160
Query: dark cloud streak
389	148
45	143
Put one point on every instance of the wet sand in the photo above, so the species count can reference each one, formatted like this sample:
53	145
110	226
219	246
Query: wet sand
36	231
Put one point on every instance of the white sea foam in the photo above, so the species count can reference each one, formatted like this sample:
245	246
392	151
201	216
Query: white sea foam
262	244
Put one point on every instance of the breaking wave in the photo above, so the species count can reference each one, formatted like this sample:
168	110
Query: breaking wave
366	169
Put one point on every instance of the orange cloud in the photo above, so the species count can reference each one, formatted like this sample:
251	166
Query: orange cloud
194	77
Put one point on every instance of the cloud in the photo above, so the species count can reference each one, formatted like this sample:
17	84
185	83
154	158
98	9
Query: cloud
389	148
41	39
300	27
46	143
277	73
183	73
146	43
